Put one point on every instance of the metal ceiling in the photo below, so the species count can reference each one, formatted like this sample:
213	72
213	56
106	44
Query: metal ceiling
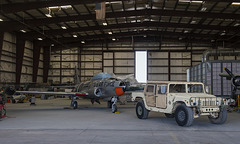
204	22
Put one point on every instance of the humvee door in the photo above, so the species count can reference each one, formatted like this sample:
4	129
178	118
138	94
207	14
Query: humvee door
161	96
150	95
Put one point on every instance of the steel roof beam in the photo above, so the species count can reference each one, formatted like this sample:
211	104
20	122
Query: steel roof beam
24	6
14	25
32	35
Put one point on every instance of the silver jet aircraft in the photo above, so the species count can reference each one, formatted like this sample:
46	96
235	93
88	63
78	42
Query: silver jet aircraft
102	86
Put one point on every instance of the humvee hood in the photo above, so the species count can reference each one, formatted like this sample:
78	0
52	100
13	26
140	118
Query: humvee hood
188	95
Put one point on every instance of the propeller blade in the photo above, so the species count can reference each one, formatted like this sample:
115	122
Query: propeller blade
229	72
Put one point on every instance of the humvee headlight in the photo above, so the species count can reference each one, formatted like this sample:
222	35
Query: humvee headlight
217	102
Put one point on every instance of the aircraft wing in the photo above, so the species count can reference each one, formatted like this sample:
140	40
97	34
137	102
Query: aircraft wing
228	77
53	93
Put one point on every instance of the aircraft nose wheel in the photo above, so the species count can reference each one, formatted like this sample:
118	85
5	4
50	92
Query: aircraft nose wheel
114	108
75	105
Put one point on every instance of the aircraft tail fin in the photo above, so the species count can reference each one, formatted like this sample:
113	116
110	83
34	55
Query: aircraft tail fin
76	76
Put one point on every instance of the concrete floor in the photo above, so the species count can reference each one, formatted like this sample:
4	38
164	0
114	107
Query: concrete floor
49	123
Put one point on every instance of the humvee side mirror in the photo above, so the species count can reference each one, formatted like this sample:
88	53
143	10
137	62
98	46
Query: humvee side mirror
207	89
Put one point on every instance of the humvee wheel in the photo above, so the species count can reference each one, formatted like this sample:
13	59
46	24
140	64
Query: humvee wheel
141	111
184	115
169	115
222	117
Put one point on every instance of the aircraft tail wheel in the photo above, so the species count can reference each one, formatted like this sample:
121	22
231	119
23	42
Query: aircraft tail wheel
75	105
114	108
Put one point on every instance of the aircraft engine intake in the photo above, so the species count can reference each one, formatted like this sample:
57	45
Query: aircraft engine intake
98	92
119	91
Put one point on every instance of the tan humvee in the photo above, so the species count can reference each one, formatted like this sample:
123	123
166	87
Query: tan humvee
182	100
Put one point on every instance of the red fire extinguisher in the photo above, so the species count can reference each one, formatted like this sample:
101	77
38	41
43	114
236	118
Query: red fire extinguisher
2	108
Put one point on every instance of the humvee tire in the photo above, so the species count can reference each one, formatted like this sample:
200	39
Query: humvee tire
183	115
169	115
141	111
222	117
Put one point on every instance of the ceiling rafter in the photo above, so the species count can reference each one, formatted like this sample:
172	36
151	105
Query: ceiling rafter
204	37
24	6
13	25
134	25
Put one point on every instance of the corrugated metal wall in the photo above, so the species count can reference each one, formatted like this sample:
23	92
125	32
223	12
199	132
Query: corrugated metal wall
208	73
8	61
89	63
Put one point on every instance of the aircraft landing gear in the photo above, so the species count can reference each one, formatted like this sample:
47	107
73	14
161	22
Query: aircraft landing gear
114	106
74	103
109	104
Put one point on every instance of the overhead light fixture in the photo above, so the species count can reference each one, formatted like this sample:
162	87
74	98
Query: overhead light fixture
113	39
203	9
83	42
193	22
52	44
40	39
222	34
237	24
145	36
197	1
114	2
1	19
63	27
184	1
109	32
185	31
180	38
75	36
23	31
212	40
48	15
235	3
191	1
104	23
64	7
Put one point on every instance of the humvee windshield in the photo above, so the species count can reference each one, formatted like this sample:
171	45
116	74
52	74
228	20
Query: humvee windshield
177	88
195	88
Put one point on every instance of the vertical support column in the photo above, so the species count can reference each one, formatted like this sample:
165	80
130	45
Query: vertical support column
61	66
134	64
133	43
191	54
20	44
160	43
169	65
114	62
46	62
1	43
79	64
36	55
147	66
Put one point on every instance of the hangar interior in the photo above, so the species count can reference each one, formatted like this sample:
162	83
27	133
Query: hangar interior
42	41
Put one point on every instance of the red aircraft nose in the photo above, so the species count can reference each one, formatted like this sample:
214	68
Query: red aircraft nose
119	91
